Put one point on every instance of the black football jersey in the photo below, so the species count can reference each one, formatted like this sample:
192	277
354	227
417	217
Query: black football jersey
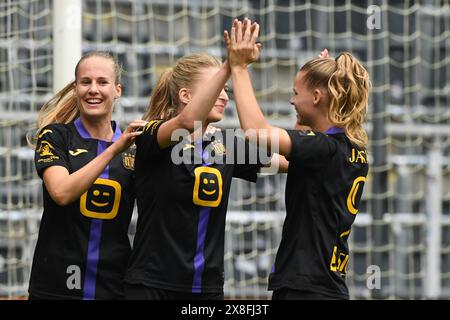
323	189
83	248
179	242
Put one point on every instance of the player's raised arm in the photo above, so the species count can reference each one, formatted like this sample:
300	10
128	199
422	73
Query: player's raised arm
173	99
242	50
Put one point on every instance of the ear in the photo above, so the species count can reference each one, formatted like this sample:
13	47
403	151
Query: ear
317	96
118	91
184	95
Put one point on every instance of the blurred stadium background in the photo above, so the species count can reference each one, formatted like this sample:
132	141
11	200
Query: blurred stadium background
404	222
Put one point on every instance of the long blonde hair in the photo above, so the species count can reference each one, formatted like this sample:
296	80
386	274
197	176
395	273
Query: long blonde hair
63	106
348	85
164	102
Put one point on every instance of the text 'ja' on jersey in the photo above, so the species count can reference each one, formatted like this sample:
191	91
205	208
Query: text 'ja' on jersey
323	189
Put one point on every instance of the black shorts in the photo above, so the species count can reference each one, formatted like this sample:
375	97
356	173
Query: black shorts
291	294
141	292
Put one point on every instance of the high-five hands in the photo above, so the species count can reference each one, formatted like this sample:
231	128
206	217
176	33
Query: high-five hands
241	43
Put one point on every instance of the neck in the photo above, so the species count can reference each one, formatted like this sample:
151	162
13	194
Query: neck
322	125
196	134
99	129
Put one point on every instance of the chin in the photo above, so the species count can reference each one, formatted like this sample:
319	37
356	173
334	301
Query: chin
215	118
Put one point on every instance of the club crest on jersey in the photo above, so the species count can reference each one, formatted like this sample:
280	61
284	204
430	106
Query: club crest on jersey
128	157
219	148
45	152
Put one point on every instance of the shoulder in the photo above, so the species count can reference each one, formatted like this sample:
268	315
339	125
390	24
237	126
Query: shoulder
54	128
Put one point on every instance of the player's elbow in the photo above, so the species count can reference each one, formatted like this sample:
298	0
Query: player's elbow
61	198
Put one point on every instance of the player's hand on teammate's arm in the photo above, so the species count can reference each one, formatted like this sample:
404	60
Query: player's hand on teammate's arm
324	54
241	44
128	136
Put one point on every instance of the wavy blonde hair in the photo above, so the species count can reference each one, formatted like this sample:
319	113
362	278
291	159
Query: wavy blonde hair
348	85
63	106
165	102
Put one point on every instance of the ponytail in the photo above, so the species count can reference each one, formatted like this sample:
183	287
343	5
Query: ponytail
62	108
161	104
348	85
349	89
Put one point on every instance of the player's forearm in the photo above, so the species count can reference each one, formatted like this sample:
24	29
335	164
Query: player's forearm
249	112
66	189
202	103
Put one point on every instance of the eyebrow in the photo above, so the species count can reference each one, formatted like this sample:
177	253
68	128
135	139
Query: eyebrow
99	78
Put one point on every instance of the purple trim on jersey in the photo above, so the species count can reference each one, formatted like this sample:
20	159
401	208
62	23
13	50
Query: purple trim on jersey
85	134
92	259
81	129
335	130
199	259
95	234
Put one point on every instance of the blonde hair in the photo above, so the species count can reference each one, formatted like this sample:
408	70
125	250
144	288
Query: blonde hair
63	106
348	85
164	101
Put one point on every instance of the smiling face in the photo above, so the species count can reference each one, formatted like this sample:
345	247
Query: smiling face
95	87
303	101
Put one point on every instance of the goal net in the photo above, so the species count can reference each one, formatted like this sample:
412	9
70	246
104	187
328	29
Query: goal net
403	228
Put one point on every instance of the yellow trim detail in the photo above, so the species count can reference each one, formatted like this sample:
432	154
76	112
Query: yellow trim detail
352	195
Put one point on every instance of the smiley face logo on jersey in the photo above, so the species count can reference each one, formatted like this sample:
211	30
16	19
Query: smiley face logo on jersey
207	187
102	199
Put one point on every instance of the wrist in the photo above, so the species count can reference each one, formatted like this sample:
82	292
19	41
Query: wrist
239	70
111	151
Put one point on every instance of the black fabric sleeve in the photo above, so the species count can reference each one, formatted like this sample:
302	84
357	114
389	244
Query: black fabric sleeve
147	142
248	163
51	148
310	148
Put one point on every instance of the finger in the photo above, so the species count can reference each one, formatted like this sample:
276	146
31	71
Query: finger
135	133
255	33
138	123
226	38
247	33
233	32
239	32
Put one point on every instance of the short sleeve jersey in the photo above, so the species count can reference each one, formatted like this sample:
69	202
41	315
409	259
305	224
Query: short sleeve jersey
179	241
323	189
83	248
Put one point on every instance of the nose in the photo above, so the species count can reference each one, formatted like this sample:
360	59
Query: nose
223	96
291	101
93	88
